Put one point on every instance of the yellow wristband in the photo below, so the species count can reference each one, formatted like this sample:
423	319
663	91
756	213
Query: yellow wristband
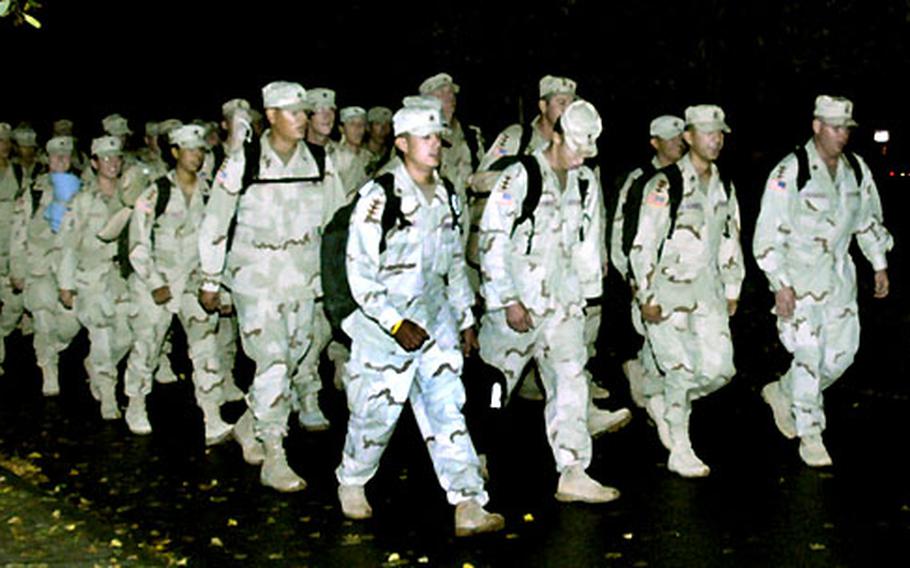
396	326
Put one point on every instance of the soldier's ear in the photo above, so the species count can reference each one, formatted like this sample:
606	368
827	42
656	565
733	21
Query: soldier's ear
542	106
271	114
175	152
654	144
816	125
401	142
687	136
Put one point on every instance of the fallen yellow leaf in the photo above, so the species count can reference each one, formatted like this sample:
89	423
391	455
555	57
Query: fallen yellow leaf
528	518
116	543
216	541
232	523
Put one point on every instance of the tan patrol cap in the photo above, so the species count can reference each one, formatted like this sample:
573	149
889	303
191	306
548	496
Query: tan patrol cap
550	85
284	95
5	130
60	145
667	126
62	127
437	82
419	121
25	136
706	118
348	113
581	125
115	125
320	98
836	111
188	136
379	114
229	108
165	126
107	146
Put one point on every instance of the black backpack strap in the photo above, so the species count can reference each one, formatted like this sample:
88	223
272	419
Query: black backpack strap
583	192
454	206
532	197
802	168
675	191
391	214
164	195
252	152
318	153
18	173
857	169
632	206
472	139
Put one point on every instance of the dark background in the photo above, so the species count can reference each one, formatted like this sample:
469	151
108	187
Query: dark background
764	62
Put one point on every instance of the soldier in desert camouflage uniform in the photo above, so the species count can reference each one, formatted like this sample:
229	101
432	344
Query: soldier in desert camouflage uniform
802	241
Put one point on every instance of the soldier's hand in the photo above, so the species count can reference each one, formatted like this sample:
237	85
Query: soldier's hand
162	295
651	313
518	318
469	341
731	307
785	302
17	283
410	335
209	301
882	284
241	128
66	298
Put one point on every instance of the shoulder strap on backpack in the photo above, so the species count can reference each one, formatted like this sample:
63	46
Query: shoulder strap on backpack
532	197
472	139
583	192
675	191
164	195
18	173
318	153
454	206
857	169
632	206
802	168
391	214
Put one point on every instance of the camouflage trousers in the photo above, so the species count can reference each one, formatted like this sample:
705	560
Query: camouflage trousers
226	339
149	323
55	326
103	308
276	335
653	383
823	339
13	308
380	382
694	351
556	343
306	381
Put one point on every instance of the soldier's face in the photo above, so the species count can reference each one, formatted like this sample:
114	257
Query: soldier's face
569	158
190	159
705	145
108	166
27	153
322	121
5	147
669	150
829	138
423	151
449	100
380	130
353	130
59	163
289	124
553	108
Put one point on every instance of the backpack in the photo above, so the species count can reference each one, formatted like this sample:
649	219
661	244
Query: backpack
338	300
123	240
804	174
632	207
252	152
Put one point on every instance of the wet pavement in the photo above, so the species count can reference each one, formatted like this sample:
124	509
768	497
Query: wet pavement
78	491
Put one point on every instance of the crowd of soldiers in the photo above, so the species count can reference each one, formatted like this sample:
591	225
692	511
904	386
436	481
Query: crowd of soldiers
451	254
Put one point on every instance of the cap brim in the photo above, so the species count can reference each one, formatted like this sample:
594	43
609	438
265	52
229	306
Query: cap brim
838	121
711	126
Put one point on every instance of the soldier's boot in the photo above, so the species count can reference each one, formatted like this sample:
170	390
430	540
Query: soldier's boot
529	390
216	429
230	392
137	417
656	407
603	421
109	408
50	380
576	485
813	452
682	457
780	409
635	373
253	452
275	472
354	502
471	518
310	416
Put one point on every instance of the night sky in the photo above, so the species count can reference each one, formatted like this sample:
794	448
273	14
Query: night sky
764	62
